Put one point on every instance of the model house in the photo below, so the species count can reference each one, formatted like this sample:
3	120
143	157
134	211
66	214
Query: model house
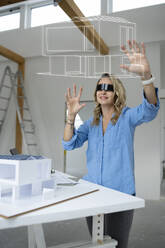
25	177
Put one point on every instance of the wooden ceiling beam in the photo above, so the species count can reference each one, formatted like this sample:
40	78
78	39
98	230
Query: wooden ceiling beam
72	10
8	2
11	55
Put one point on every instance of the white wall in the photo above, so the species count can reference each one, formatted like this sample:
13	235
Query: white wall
162	64
47	102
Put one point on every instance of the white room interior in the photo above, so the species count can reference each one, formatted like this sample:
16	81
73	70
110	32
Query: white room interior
47	103
46	98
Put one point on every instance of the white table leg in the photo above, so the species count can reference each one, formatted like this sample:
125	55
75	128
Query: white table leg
36	236
98	229
31	238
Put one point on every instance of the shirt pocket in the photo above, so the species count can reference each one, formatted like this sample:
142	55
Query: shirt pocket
114	136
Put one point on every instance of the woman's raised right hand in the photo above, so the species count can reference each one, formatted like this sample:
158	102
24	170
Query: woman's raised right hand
73	102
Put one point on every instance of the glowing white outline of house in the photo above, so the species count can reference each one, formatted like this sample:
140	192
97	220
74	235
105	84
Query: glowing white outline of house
127	31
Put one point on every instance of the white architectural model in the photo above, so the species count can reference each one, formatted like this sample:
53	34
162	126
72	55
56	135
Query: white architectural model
25	178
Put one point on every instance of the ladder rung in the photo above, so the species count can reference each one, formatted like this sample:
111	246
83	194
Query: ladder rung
1	109
19	86
4	98
32	144
29	132
28	120
23	108
21	97
6	86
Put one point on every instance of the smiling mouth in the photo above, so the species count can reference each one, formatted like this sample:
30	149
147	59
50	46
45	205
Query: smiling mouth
103	97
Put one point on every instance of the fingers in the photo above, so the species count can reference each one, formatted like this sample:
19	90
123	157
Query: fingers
131	47
125	50
143	48
136	46
74	91
68	94
82	106
80	92
66	97
125	67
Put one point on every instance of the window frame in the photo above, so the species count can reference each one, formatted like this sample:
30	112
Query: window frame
150	5
39	5
8	12
49	2
25	10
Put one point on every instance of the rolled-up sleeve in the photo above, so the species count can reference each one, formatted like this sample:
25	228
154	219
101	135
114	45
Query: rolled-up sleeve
79	137
145	112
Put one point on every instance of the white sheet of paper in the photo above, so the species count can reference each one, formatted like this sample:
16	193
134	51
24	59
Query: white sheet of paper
61	178
61	194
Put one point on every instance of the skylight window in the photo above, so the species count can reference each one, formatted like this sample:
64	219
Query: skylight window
47	14
120	5
89	7
50	14
10	21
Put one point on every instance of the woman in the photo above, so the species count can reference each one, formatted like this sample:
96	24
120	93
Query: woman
110	135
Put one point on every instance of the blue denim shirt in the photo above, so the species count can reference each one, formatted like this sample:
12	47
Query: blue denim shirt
110	157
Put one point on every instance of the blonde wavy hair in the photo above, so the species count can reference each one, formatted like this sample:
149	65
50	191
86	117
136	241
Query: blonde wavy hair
119	99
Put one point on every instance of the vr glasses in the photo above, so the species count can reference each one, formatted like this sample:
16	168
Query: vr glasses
106	87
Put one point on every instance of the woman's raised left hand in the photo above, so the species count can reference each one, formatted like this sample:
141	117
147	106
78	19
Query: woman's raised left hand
138	60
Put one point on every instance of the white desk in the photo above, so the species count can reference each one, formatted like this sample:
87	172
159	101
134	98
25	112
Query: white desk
95	204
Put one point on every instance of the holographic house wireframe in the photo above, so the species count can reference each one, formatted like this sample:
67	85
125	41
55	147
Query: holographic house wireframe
71	54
